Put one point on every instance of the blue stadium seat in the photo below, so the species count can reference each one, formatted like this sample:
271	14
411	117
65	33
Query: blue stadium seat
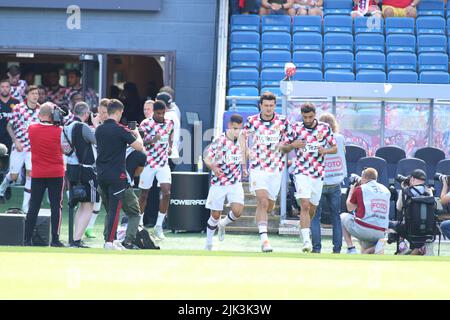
369	42
280	23
352	154
392	155
246	109
430	8
433	62
442	167
272	77
308	75
275	90
275	58
401	61
408	165
307	24
308	60
448	22
439	77
371	76
245	22
338	60
343	24
227	115
243	77
430	25
337	7
399	25
334	41
431	156
431	43
244	40
243	92
370	60
367	25
336	75
307	41
276	41
378	164
400	43
402	76
244	59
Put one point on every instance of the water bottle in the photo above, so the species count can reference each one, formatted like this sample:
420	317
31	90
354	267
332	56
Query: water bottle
200	164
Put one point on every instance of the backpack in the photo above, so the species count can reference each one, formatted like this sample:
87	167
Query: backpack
144	240
420	218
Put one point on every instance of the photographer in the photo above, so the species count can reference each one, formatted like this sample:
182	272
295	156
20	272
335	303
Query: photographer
370	199
80	168
47	173
445	200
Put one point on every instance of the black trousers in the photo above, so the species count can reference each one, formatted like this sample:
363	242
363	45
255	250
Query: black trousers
55	191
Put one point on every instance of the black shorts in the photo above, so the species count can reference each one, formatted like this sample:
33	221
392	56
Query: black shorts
88	180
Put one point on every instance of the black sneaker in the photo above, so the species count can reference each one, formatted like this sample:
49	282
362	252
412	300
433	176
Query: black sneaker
57	244
78	244
129	245
8	193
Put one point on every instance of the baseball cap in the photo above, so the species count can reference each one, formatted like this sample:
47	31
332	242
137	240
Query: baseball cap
419	174
164	96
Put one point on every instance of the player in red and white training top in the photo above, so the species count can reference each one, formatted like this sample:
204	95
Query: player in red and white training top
266	131
314	139
226	159
23	115
158	139
18	87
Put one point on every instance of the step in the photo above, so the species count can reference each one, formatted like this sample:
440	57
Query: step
250	210
291	227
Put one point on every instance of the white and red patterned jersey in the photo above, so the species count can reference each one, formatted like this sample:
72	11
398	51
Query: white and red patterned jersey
266	136
158	152
227	154
308	161
22	117
56	96
18	92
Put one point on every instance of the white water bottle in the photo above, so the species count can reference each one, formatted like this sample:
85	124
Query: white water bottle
200	164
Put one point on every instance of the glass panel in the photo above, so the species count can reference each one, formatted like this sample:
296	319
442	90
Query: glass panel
441	137
407	126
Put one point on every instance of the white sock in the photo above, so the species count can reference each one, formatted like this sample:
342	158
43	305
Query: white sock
305	234
262	228
67	194
26	195
92	221
141	221
228	219
7	181
211	229
160	220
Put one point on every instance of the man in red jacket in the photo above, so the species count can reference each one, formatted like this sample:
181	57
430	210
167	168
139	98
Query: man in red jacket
400	8
47	173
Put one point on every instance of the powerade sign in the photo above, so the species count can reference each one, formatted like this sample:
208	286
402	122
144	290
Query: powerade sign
187	202
128	5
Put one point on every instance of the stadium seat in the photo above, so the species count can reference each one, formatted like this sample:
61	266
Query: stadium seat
448	22
401	61
275	90
370	60
275	58
246	109
431	156
442	167
243	92
335	75
401	76
352	154
243	77
392	155
371	76
244	40
399	25
430	25
307	41
308	75
438	77
272	77
279	23
342	24
433	62
307	24
276	41
337	7
308	60
408	165
378	164
369	42
244	59
365	26
338	60
334	41
431	43
245	22
430	8
400	43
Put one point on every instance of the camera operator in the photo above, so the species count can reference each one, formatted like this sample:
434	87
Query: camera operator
80	168
370	199
411	186
47	173
445	200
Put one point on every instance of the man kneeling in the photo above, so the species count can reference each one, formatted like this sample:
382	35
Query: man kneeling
371	202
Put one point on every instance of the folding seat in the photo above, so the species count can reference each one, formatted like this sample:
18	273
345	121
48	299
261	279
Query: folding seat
338	42
307	41
442	167
338	60
400	43
367	25
275	90
244	40
308	60
433	62
245	22
408	165
352	154
275	58
431	43
378	164
431	156
307	24
401	61
343	24
430	8
371	76
337	7
370	60
448	22
243	92
430	25
276	41
392	155
369	42
399	25
438	77
272	77
280	23
402	76
308	75
244	77
336	75
244	59
246	109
